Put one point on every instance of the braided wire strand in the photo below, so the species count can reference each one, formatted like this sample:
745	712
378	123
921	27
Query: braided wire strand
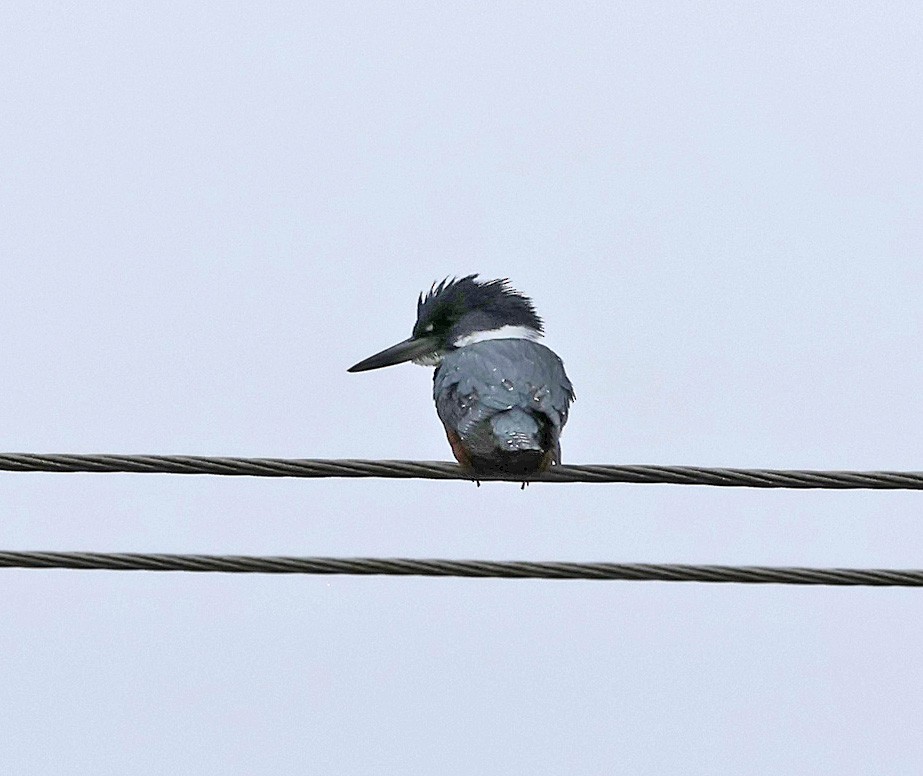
251	564
441	470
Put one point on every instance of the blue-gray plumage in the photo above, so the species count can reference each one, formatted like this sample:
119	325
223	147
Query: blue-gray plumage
502	397
507	400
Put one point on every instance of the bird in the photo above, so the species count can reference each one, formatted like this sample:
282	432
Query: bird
503	398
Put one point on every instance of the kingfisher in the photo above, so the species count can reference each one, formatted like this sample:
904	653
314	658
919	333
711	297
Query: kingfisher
502	397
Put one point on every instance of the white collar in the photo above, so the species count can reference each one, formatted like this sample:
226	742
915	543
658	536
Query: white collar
504	332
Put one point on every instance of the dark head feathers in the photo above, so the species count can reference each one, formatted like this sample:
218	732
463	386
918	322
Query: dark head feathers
491	303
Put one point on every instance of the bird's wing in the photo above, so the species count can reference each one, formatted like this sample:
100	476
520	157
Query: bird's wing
475	382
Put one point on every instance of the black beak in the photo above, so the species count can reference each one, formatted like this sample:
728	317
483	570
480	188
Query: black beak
407	350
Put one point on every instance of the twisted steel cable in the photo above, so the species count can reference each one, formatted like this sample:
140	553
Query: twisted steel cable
441	470
659	572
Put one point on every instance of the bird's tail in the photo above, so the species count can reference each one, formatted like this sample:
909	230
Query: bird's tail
516	430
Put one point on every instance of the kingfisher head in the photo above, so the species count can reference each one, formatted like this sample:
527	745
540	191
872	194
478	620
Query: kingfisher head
459	312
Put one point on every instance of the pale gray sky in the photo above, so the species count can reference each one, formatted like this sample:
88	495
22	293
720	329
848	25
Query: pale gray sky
209	211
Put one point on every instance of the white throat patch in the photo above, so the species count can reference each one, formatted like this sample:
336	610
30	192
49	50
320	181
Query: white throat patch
504	332
430	359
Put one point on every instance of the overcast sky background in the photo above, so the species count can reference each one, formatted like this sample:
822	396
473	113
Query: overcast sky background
209	211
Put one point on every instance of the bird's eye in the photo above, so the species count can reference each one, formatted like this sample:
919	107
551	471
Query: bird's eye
428	328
